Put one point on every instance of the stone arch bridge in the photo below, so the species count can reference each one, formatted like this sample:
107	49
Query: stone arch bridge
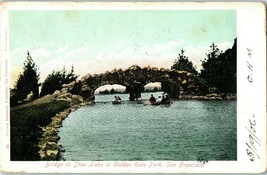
134	79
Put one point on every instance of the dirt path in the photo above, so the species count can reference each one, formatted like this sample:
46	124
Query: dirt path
37	101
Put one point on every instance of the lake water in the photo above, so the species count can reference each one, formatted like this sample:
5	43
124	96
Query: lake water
186	130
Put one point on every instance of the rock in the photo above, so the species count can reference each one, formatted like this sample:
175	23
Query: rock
162	69
57	123
42	155
181	72
65	90
78	97
86	91
64	85
184	82
65	95
62	114
213	95
86	103
42	146
56	92
60	99
48	128
51	146
154	68
54	139
134	67
52	154
86	77
69	86
50	133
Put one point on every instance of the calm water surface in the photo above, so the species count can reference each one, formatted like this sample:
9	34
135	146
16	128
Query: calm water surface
187	130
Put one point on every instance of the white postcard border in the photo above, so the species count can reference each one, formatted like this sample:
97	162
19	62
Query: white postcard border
251	93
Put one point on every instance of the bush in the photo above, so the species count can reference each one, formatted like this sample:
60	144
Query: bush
56	79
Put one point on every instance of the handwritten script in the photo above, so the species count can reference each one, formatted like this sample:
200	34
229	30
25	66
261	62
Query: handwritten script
250	66
253	143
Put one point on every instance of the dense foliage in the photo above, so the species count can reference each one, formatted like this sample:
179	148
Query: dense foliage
25	130
218	73
27	82
56	79
183	64
219	69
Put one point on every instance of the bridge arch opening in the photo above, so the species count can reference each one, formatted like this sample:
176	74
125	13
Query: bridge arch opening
110	89
105	93
153	87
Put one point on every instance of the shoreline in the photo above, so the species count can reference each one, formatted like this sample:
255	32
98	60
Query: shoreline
49	147
208	97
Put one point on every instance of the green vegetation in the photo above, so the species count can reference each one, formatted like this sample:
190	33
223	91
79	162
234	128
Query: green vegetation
183	64
25	128
219	70
56	79
218	73
112	91
27	82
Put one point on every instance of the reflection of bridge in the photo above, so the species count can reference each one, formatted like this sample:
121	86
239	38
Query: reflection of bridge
135	78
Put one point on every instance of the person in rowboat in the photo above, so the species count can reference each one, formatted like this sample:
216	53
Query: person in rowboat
152	99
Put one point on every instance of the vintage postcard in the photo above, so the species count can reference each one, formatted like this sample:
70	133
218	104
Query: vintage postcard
133	87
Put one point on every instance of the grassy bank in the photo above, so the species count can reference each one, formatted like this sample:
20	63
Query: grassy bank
25	127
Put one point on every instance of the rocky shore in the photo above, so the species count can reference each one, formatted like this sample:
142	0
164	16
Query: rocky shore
212	96
49	147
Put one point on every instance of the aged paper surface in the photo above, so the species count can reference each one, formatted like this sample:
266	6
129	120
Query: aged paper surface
63	63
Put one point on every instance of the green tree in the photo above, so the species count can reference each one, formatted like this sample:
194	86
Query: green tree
27	81
219	69
227	76
183	64
56	79
211	67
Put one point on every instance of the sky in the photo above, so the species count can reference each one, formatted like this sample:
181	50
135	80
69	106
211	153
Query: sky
120	88
95	41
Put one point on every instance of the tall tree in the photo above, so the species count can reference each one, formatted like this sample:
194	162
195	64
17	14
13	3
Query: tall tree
219	69
183	64
211	67
228	77
27	81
